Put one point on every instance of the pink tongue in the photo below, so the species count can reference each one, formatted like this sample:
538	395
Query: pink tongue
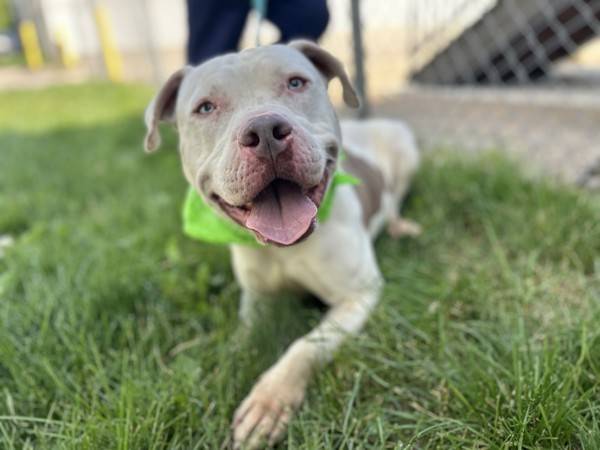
282	213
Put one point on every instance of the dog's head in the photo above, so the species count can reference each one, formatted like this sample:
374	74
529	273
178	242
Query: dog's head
259	137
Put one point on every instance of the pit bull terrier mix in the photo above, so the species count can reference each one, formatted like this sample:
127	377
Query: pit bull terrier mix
260	143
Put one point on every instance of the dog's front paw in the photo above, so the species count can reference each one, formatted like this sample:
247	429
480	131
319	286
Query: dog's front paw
261	420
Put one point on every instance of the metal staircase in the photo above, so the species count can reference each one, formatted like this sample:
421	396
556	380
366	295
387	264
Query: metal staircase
512	41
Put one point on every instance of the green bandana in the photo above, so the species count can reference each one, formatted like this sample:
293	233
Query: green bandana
202	223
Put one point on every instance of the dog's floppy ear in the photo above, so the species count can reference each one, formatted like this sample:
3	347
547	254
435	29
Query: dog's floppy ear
162	109
329	66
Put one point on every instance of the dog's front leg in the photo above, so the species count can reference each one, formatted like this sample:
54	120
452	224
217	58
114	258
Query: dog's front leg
248	306
264	414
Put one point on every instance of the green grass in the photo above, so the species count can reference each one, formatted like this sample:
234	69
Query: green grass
14	59
6	16
117	332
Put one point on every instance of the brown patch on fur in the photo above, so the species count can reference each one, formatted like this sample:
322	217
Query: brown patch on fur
370	189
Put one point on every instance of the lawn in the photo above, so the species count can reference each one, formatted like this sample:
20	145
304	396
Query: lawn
117	332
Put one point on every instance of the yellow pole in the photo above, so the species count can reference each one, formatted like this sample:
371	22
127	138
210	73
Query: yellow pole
68	56
31	45
112	58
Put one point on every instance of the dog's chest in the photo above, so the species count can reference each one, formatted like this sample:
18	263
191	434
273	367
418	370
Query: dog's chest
265	270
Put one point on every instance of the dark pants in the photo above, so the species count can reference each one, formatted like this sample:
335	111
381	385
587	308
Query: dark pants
215	26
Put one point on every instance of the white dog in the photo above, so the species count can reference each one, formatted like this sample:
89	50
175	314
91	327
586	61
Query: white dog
260	145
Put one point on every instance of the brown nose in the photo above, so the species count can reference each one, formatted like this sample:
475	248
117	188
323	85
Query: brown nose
266	135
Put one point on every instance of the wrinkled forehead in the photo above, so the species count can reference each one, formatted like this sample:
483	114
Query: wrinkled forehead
248	71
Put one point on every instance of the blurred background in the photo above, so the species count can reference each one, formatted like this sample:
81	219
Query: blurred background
518	75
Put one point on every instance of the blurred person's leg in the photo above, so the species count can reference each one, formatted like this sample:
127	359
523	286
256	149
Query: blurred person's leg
299	18
215	27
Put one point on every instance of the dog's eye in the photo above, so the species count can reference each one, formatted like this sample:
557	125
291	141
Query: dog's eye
205	108
296	83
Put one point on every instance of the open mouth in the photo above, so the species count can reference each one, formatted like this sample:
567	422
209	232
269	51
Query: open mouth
283	213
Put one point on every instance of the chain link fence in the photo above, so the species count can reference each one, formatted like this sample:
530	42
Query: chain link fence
519	76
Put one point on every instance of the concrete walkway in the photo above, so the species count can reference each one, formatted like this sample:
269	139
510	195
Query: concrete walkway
17	77
554	131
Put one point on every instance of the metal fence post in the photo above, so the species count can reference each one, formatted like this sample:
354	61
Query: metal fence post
359	59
